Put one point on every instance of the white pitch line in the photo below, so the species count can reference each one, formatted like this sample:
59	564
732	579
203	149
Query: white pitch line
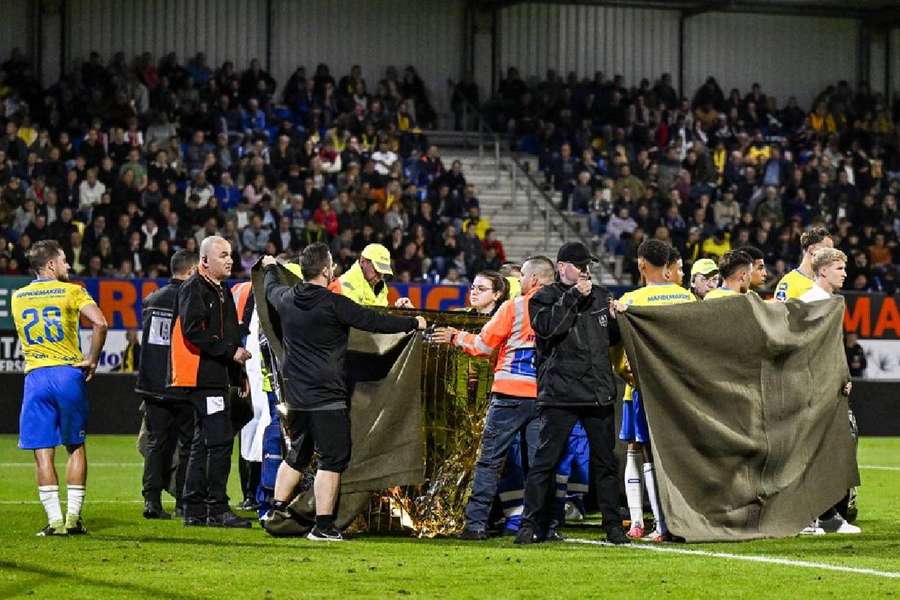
879	468
90	464
87	501
772	560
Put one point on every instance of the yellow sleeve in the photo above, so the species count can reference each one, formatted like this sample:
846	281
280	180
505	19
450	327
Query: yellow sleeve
80	298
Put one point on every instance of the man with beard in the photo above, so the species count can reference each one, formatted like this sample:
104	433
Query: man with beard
316	326
54	404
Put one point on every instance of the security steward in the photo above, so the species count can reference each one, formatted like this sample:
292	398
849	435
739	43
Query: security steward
573	333
316	326
168	420
205	361
364	282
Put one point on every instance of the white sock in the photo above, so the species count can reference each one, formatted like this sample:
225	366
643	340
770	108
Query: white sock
634	490
74	500
49	495
653	494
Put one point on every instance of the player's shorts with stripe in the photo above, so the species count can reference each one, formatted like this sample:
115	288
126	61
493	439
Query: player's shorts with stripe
54	408
634	421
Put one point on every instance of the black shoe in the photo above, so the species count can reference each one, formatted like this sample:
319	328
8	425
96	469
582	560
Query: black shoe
77	528
554	536
195	521
230	520
50	531
249	504
330	534
526	535
154	510
473	535
616	535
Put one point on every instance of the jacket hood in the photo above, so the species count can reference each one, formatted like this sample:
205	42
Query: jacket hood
307	295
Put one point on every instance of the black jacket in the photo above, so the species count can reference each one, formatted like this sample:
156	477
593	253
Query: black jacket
573	334
158	309
205	336
315	325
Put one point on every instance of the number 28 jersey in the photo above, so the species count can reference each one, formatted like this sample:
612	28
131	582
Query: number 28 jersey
46	313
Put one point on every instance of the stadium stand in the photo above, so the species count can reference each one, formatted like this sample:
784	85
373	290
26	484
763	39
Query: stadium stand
713	172
124	162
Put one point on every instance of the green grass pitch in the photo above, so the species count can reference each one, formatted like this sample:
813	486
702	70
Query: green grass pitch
125	556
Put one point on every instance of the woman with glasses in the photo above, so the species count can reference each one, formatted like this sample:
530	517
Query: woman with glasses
488	291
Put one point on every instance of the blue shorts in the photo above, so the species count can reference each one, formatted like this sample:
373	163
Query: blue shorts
54	408
634	421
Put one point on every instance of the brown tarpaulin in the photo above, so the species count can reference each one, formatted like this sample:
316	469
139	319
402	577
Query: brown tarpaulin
385	415
749	430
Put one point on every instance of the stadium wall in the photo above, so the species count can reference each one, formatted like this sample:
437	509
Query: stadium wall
428	34
787	55
15	27
222	29
894	63
633	42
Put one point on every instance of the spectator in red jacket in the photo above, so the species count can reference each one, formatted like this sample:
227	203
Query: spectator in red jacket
491	241
326	217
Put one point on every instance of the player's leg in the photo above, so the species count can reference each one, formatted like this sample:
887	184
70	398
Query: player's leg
48	491
70	391
39	432
76	481
634	487
642	435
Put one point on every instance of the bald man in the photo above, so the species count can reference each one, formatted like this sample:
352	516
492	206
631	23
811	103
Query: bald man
207	358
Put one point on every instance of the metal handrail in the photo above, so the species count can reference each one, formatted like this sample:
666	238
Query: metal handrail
485	128
568	224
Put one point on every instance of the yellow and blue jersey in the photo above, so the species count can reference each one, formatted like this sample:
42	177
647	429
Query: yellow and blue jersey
47	313
719	293
662	294
792	285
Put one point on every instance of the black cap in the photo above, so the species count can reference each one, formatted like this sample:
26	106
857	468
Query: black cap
575	253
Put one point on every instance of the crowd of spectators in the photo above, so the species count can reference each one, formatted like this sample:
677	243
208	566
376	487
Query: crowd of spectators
715	171
126	161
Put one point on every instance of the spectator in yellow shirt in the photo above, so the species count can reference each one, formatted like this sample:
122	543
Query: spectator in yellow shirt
717	245
477	222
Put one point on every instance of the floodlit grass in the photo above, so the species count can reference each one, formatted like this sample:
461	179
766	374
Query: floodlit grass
127	556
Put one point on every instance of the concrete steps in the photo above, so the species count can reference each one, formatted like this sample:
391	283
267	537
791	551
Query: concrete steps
523	230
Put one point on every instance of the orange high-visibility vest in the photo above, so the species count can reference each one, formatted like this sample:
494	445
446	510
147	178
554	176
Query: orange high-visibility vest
241	293
510	331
